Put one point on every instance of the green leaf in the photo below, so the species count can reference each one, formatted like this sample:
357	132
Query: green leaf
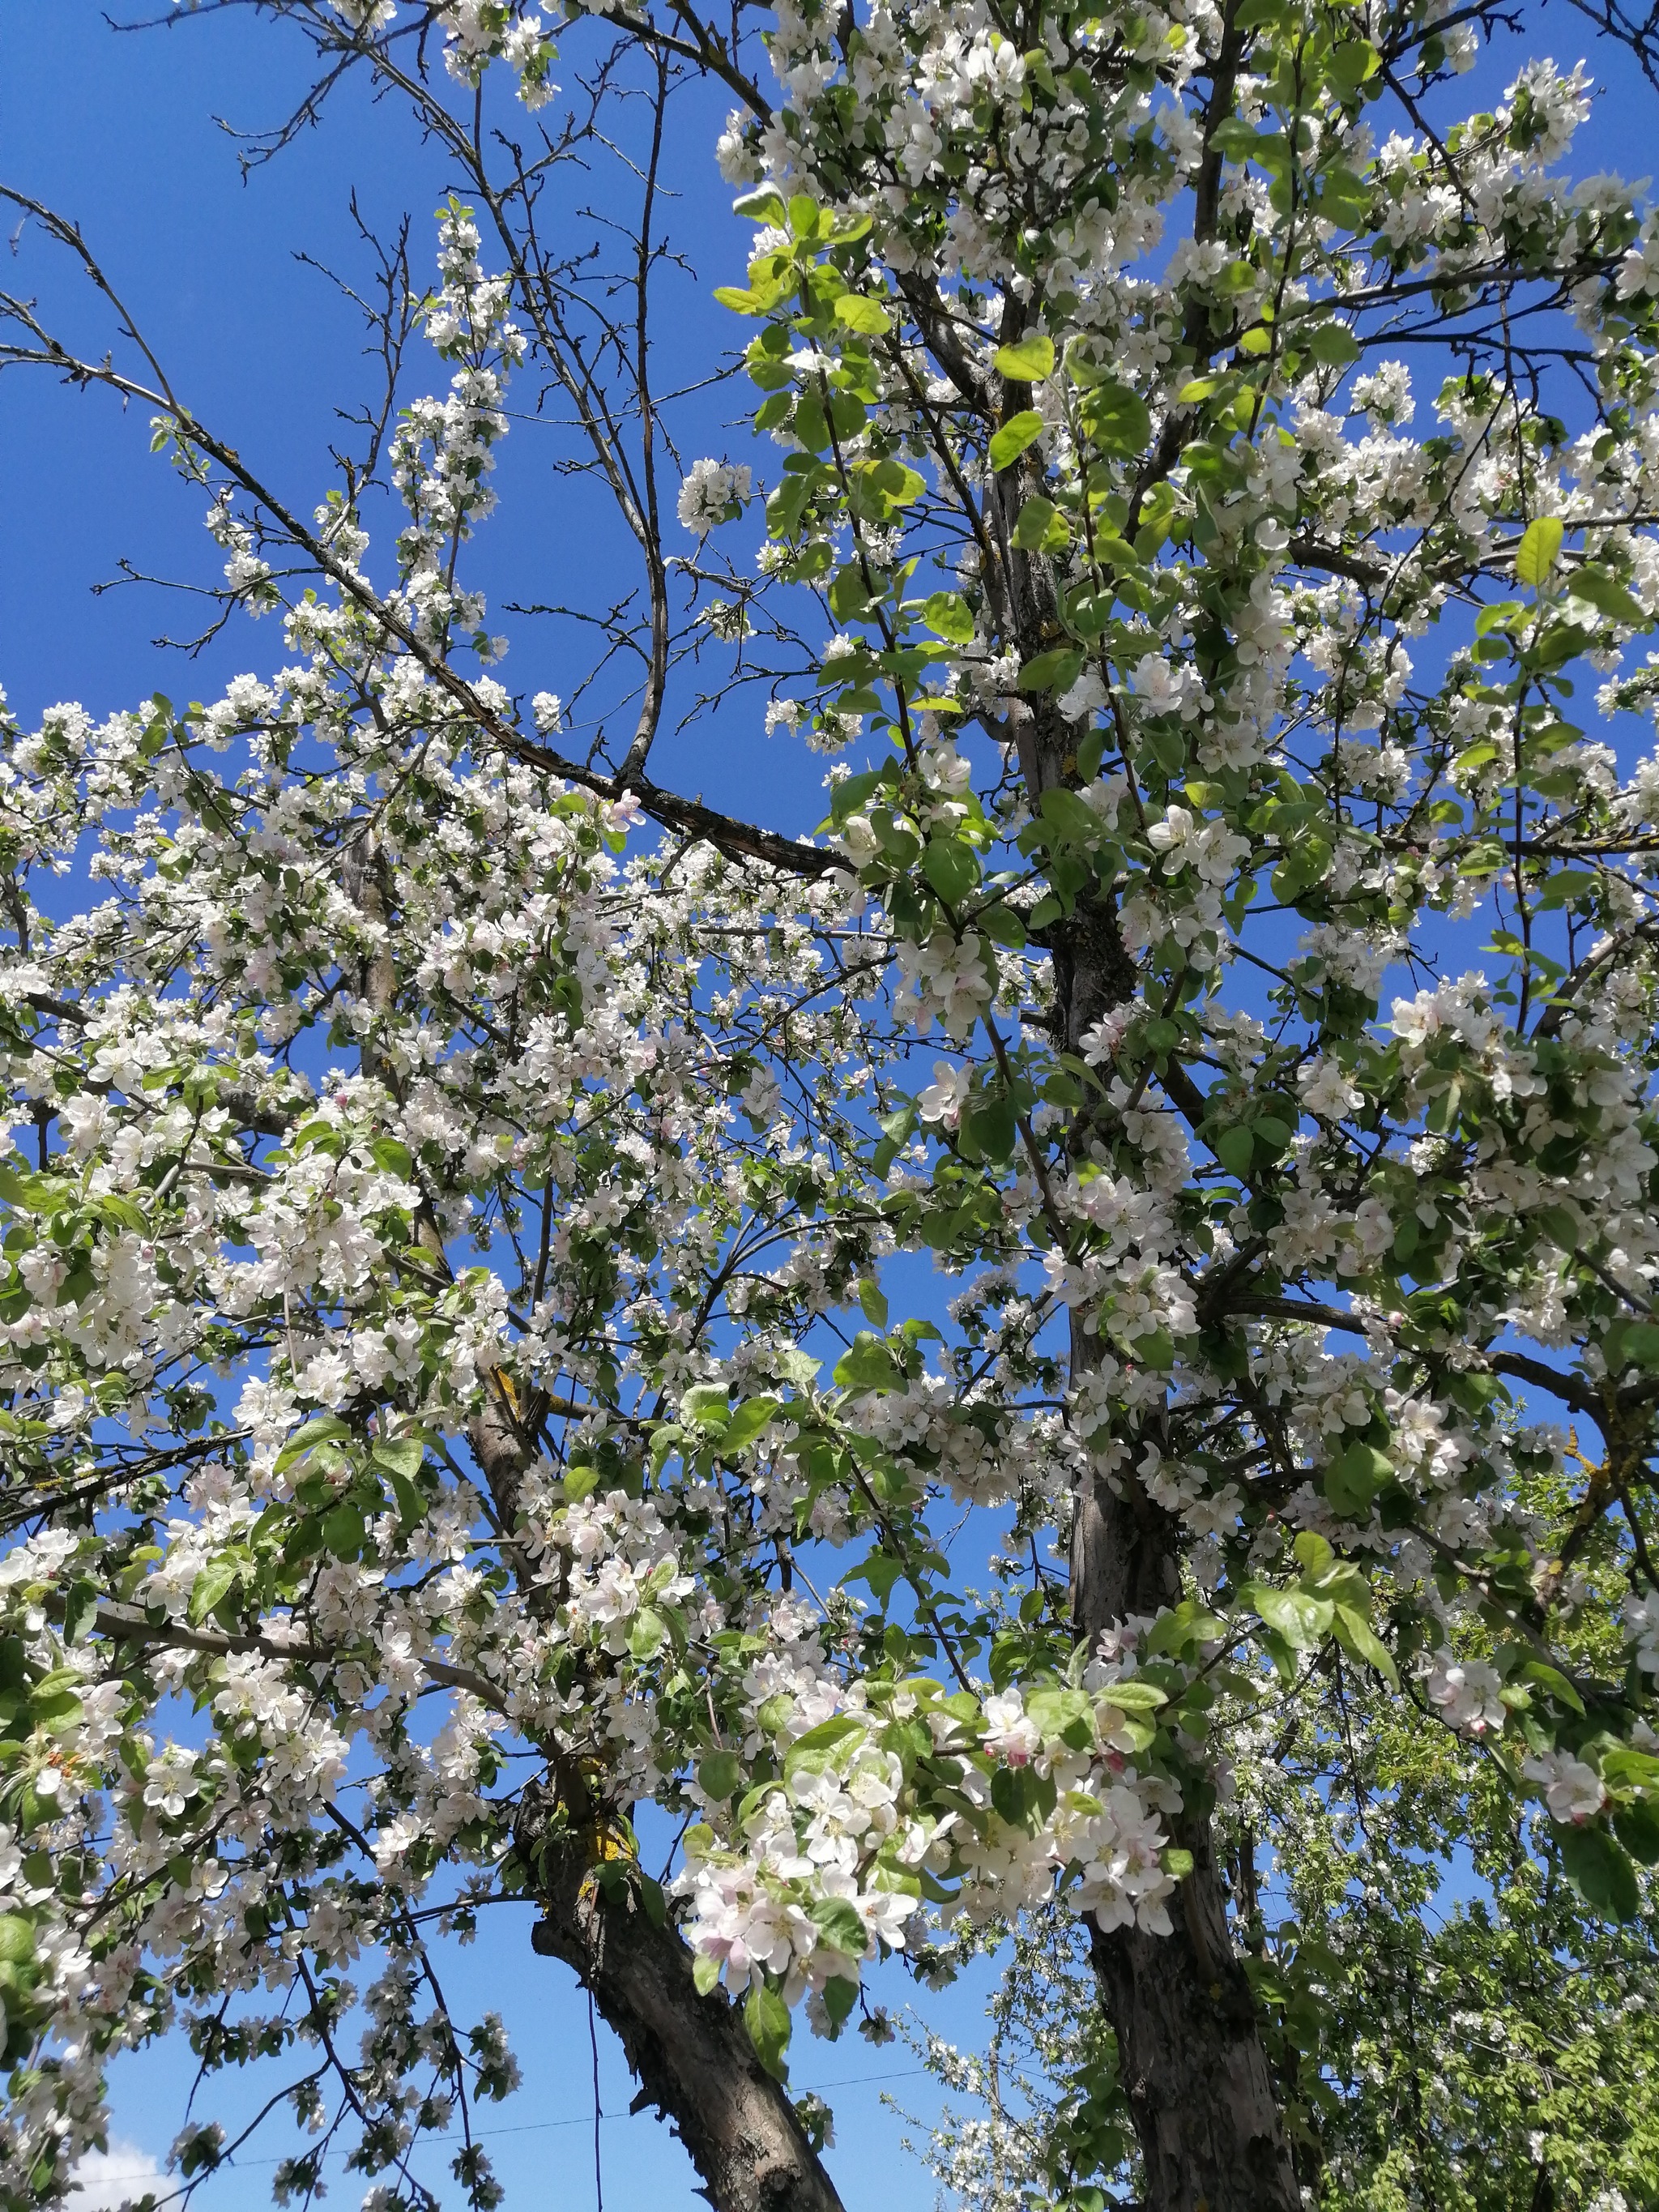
647	1633
867	1364
1073	822
952	867
1598	1869
767	2018
1188	1623
1117	419
718	1775
1354	1477
846	797
325	1429
1028	361
1235	1148
705	1973
1234	140
1022	1797
1625	1768
1553	1681
79	1610
406	1456
212	1585
1607	595
1040	527
849	595
1057	670
1063	1715
54	1709
1300	1618
898	485
1634	1345
1354	1632
1312	1553
1344	199
17	1940
881	1571
1352	63
867	317
1018	432
1131	1695
1636	1826
839	1926
395	1158
1002	926
765	203
1536	555
815	1753
746	1424
1567	883
665	1442
1333	345
343	1533
949	615
872	1302
989	1127
707	1405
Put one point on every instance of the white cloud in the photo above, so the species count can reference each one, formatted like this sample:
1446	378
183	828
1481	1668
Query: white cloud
105	2180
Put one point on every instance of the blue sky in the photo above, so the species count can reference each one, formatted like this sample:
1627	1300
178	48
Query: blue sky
120	132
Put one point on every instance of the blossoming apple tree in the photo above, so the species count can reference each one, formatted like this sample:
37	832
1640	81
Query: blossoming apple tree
459	1405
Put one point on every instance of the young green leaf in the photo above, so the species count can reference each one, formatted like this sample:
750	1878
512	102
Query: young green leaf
867	317
1018	432
767	2018
1536	555
211	1587
1028	361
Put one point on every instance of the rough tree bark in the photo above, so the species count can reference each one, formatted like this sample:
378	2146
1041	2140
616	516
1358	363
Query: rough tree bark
690	2054
1189	2046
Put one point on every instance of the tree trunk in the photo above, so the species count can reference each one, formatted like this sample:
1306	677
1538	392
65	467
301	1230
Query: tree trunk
1189	2051
690	2054
1189	2048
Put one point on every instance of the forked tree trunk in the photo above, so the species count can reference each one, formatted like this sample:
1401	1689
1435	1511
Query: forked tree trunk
690	2054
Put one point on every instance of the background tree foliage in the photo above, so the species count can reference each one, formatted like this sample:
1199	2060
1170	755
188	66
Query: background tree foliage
1447	2024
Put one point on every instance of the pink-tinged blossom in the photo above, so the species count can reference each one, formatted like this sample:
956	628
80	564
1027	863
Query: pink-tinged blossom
1571	1789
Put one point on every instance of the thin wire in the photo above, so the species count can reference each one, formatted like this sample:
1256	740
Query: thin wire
598	2166
520	2128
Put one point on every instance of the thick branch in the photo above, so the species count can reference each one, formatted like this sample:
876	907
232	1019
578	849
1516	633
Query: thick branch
690	2054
